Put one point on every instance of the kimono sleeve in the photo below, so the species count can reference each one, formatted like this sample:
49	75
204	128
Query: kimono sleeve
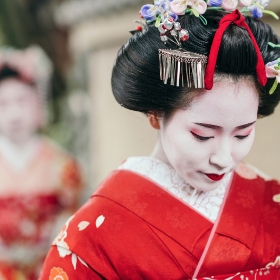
68	267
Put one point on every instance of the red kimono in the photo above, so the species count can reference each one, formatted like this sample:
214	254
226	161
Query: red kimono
32	202
131	228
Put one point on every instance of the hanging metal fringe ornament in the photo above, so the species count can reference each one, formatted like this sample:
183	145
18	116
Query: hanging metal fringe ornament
182	68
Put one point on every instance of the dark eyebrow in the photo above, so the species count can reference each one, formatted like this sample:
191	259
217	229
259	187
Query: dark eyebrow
245	125
216	127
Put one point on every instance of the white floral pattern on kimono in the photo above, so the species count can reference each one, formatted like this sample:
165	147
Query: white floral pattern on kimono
62	246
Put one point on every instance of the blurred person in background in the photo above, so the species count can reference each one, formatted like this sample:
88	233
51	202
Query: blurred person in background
40	183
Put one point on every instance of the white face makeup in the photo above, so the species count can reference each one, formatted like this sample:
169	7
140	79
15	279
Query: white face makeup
212	136
19	110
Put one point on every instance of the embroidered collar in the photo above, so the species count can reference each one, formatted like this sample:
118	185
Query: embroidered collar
206	203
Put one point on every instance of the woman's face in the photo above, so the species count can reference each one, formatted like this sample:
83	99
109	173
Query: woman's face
212	136
19	110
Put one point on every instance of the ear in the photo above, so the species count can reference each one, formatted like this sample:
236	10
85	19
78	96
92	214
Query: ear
154	121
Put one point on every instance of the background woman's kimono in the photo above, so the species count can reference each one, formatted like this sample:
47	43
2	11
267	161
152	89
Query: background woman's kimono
27	218
132	228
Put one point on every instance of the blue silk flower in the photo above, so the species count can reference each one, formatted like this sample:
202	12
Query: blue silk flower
257	11
149	12
215	3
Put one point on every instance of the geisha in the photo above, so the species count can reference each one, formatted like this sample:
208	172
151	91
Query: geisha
40	182
192	210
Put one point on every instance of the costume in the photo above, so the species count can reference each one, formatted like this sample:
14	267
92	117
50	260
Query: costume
31	200
133	228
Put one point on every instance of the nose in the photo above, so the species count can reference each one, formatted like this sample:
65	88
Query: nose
222	155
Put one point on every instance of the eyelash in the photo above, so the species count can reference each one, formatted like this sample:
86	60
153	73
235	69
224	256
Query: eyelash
201	138
241	137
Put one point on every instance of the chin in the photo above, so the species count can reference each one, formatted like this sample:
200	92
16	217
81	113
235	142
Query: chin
203	184
207	187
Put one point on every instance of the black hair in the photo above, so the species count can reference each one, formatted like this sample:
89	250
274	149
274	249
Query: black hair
7	72
135	78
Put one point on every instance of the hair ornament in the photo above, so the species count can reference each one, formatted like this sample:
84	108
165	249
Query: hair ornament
238	19
33	66
273	45
180	67
162	9
273	71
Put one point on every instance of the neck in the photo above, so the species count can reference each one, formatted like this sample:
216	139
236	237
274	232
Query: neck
159	153
19	154
20	144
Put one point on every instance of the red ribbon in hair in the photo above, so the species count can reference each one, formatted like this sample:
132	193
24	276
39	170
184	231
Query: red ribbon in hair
238	19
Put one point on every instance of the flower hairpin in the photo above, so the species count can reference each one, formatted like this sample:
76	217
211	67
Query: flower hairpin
158	12
169	26
162	9
164	13
181	67
273	71
255	7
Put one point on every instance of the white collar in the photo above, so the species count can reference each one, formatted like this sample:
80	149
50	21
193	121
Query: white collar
207	203
19	158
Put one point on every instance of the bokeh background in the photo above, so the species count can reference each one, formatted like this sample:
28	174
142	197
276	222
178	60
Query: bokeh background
82	38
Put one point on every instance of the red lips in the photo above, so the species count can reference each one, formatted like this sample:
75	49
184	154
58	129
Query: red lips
215	177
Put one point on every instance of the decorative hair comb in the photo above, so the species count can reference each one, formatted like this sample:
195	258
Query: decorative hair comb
183	68
179	67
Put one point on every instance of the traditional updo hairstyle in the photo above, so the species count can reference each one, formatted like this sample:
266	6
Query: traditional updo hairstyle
136	83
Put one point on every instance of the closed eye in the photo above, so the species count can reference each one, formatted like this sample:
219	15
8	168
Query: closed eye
201	138
240	137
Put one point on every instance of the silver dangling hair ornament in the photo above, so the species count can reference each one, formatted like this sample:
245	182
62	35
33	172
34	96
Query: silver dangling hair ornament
179	67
